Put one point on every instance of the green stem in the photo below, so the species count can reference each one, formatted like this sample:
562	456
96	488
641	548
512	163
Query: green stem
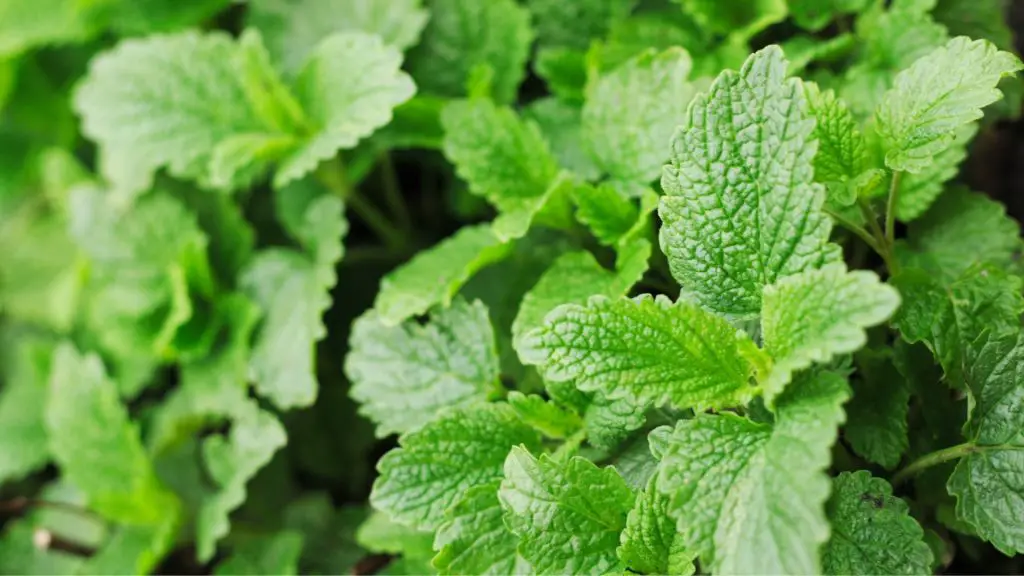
332	175
934	459
856	229
393	194
890	209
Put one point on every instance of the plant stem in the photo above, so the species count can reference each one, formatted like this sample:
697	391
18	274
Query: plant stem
890	209
393	194
856	229
332	175
933	459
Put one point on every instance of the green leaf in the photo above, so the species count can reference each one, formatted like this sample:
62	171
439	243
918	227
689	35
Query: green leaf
231	462
24	26
575	24
473	538
749	497
568	515
565	71
25	362
134	549
872	530
20	555
403	375
293	28
842	149
572	279
988	488
948	316
97	447
636	464
917	191
463	36
551	419
609	422
149	16
741	18
661	30
382	535
876	426
917	117
415	487
992	372
647	349
816	315
961	230
168	102
276	553
650	542
345	103
561	125
501	157
293	289
741	209
631	113
814	15
436	274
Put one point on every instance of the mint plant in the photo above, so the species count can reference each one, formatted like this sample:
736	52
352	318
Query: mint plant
499	287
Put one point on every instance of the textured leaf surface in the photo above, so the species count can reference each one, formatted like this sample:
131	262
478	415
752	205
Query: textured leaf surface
96	446
741	209
293	28
568	515
650	542
415	487
842	150
872	530
647	349
917	191
231	462
434	275
962	229
917	117
575	24
561	124
606	211
348	88
550	418
816	315
473	538
609	422
749	497
403	375
989	495
631	112
876	426
462	37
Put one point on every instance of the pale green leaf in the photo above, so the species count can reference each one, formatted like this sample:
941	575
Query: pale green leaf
403	375
872	530
293	28
561	125
918	116
275	553
436	274
962	229
380	534
25	370
565	71
415	487
473	538
741	209
814	316
550	418
27	25
650	542
20	555
631	113
231	462
647	349
134	549
917	191
465	35
348	88
568	515
750	497
636	464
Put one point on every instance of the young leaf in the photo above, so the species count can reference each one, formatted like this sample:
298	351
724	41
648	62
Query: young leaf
348	88
876	426
962	229
816	315
917	191
231	462
293	28
568	515
561	125
650	542
918	115
606	211
134	549
96	446
473	538
630	113
650	350
749	497
741	209
403	375
436	274
872	530
462	36
550	418
842	150
415	487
